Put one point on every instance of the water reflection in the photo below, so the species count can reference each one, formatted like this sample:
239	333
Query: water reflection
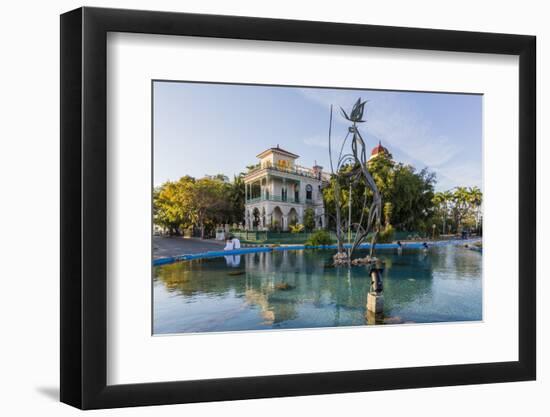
233	260
301	289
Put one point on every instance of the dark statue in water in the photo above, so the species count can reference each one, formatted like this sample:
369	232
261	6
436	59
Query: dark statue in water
357	160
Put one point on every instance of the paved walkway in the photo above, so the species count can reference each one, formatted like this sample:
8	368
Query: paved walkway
177	245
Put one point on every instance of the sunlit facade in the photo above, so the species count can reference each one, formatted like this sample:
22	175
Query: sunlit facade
278	192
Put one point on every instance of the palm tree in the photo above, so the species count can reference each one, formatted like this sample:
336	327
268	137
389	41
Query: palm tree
476	198
467	202
443	200
461	200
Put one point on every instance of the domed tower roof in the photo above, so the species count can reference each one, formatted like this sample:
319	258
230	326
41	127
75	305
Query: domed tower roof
378	149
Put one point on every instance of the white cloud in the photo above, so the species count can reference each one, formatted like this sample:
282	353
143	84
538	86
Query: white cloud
328	97
399	125
405	131
459	175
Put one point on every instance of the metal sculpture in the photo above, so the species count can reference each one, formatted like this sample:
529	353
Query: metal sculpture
357	160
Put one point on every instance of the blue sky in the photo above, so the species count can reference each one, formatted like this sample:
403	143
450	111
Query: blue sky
202	128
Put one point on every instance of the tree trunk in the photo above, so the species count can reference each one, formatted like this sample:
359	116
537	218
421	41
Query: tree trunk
201	222
338	217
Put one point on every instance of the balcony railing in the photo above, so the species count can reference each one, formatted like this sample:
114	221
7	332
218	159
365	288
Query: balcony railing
274	198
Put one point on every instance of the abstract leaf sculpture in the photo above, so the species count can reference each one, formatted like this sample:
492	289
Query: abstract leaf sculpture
357	159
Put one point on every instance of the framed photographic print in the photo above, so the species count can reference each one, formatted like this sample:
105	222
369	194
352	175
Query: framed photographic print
257	208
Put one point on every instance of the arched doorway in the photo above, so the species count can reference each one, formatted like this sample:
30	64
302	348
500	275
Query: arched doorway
292	217
277	218
255	218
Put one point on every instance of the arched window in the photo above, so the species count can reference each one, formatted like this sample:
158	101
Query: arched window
309	192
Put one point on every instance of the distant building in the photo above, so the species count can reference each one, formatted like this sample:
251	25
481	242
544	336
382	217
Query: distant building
277	191
379	150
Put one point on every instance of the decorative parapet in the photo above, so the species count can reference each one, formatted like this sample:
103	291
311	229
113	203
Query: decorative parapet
296	170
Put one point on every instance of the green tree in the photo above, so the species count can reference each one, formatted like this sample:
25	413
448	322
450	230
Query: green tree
236	199
409	192
199	203
461	206
342	187
458	208
208	203
388	209
220	177
442	201
476	199
170	203
309	219
411	196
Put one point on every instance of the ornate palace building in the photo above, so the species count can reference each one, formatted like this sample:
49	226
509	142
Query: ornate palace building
278	192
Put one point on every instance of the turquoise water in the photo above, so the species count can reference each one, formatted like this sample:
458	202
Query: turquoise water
301	289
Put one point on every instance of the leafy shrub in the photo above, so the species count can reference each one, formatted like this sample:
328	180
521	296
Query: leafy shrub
309	219
386	235
319	238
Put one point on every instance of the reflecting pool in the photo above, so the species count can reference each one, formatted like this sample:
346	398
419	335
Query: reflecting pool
301	289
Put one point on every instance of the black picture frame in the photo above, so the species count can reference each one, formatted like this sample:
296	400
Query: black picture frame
84	207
